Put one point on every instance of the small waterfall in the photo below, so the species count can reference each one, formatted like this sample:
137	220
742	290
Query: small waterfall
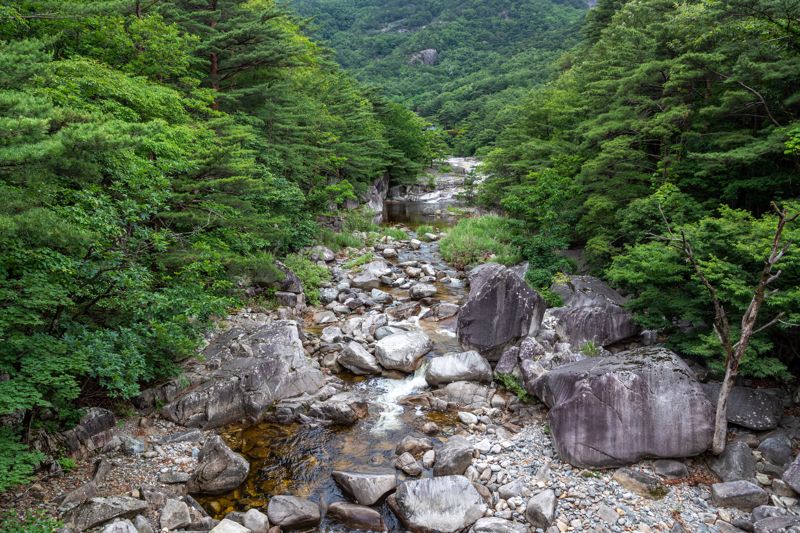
390	391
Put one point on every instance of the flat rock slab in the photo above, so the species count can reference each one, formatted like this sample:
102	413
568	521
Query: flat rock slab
292	512
365	488
617	410
743	495
356	516
96	511
441	504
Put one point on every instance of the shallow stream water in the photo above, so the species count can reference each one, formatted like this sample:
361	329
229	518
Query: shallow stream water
299	459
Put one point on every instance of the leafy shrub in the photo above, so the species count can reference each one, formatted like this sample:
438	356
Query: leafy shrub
475	240
311	274
425	228
360	220
395	233
513	385
17	462
590	349
36	521
67	464
336	241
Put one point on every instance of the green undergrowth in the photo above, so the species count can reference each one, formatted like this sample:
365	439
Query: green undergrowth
311	274
425	228
361	260
513	385
30	522
477	240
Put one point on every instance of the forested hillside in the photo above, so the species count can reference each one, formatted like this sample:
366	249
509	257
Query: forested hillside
682	114
488	54
154	158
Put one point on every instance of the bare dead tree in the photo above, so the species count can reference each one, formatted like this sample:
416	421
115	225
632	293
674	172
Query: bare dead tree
734	351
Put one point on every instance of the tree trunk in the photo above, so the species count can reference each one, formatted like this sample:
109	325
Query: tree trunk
721	418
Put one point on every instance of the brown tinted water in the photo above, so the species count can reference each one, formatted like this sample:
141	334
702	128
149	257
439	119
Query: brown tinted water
298	459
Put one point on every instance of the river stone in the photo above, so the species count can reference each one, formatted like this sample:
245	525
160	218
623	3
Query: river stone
639	482
292	512
413	445
77	496
501	308
229	526
454	457
120	526
96	511
257	364
402	351
256	521
358	360
740	494
792	475
422	290
356	516
734	463
408	464
344	409
465	366
219	469
616	410
365	488
754	409
440	504
777	450
497	525
320	253
175	515
670	469
777	524
541	509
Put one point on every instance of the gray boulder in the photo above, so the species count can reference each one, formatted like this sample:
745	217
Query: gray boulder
541	509
402	351
465	394
429	56
602	326
120	526
792	475
344	409
175	515
756	409
422	290
250	367
219	469
615	410
365	488
465	366
740	494
320	253
97	511
735	463
497	525
358	360
586	291
440	504
291	512
229	526
256	521
454	457
501	309
356	516
290	282
777	450
408	464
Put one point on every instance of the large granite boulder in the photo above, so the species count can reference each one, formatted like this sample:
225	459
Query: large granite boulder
358	360
248	368
592	312
440	504
735	463
500	310
95	429
454	457
357	517
465	366
617	410
219	469
402	351
756	409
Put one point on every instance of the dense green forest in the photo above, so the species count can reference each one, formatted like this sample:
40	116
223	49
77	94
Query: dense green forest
490	53
683	115
154	158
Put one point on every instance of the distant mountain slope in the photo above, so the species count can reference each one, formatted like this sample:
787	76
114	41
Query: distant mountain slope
487	53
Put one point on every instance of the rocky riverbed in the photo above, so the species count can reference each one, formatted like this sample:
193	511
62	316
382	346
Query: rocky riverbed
377	410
